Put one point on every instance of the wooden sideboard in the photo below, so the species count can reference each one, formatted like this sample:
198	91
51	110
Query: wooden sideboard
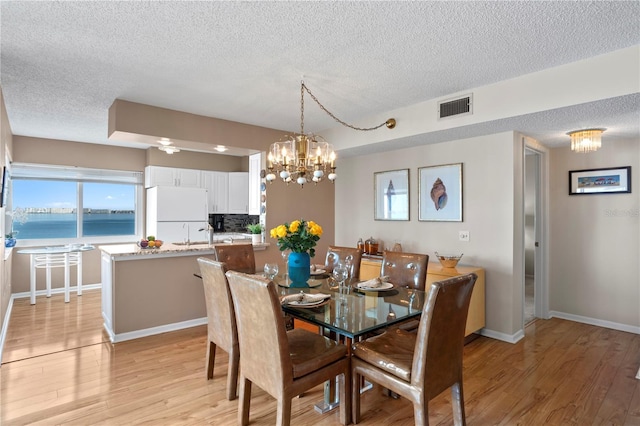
370	268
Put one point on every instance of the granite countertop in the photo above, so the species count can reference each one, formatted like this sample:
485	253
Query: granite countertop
169	249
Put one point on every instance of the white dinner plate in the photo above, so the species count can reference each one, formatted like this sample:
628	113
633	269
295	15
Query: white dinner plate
318	272
309	305
383	287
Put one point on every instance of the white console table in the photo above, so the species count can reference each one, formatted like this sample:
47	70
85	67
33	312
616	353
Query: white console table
56	257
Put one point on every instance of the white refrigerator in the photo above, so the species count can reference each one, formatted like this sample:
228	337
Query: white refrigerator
175	214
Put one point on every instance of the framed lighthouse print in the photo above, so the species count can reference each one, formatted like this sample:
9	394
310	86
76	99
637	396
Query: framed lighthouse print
391	195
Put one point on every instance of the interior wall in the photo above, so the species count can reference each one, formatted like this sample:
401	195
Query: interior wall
197	160
66	153
594	247
6	143
489	194
286	203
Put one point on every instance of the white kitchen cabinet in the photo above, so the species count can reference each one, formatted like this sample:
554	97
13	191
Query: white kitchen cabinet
217	186
255	164
238	192
171	176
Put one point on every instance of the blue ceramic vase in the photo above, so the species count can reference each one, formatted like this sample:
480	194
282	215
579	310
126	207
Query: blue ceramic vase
299	269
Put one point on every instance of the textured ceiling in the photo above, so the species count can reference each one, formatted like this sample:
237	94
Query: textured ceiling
64	63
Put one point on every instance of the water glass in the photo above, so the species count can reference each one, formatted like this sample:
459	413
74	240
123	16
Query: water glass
270	270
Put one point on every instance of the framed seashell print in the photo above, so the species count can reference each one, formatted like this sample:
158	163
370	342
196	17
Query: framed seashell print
440	193
391	193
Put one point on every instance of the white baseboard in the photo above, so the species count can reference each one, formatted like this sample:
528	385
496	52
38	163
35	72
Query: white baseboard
595	321
116	338
509	338
57	290
5	326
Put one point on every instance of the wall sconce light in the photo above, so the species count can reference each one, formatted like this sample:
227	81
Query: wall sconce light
587	140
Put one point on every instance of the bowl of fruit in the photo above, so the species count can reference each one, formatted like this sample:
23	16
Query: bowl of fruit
150	243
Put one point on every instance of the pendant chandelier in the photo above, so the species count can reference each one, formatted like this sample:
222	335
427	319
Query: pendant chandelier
587	140
303	157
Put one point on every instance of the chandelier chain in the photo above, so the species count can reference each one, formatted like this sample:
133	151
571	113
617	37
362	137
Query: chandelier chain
303	88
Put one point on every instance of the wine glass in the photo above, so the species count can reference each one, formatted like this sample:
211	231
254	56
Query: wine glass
270	270
285	256
340	274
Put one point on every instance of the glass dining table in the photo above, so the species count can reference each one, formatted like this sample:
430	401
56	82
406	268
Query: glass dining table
350	314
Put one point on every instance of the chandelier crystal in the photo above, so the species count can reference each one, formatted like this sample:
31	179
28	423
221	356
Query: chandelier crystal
587	140
306	157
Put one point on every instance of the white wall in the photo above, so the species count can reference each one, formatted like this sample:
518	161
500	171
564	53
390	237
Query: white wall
594	252
491	187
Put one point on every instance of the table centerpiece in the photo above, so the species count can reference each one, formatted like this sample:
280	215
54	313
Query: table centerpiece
299	236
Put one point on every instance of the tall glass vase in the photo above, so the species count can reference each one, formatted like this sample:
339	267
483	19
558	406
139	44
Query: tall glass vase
299	269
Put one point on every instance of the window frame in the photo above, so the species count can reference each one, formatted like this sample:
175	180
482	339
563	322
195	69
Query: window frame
85	175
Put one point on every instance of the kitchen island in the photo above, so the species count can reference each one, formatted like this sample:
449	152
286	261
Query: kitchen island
152	291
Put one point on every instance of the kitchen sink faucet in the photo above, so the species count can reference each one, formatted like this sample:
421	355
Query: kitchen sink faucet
188	240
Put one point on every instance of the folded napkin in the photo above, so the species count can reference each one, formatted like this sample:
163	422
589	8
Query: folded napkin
374	283
304	298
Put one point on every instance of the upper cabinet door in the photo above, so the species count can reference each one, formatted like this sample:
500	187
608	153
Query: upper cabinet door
217	185
159	176
171	176
188	178
239	192
255	164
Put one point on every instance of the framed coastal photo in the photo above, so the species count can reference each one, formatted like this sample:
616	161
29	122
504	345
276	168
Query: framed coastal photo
391	195
614	180
440	193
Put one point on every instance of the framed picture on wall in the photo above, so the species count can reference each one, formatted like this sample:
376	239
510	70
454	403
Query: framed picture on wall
440	193
613	180
391	195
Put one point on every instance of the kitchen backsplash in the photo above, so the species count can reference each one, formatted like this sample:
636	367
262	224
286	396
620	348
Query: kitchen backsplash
239	222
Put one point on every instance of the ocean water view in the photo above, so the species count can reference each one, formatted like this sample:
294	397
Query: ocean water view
63	225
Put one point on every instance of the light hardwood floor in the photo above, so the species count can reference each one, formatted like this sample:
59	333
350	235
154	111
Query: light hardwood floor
58	368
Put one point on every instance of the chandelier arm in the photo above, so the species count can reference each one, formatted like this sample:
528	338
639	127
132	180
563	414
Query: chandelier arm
304	87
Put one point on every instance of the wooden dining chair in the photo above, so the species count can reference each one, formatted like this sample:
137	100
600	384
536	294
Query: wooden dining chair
420	366
336	254
237	257
405	269
282	363
221	321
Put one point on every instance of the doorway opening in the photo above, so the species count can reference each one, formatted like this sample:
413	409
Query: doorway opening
533	231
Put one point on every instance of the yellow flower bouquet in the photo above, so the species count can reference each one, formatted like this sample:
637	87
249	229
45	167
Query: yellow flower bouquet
299	236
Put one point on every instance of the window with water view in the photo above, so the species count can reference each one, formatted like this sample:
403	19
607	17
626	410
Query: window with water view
62	208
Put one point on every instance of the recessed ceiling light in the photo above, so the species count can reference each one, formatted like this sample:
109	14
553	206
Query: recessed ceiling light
221	148
168	149
165	141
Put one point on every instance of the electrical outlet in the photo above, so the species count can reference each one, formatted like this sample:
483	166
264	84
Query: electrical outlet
463	235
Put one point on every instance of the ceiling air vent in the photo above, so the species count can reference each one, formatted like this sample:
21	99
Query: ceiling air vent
455	107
